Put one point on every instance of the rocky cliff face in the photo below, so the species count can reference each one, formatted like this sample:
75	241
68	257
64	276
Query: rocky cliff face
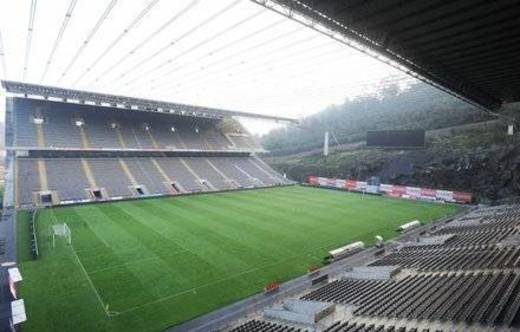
482	161
492	173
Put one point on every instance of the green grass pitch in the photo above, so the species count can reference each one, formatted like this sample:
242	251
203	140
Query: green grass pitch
148	264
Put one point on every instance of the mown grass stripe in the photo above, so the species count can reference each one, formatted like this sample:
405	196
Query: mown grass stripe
162	261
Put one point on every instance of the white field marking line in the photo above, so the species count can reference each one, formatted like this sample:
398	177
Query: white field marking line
191	289
132	262
117	253
208	284
108	313
90	228
166	238
195	288
247	310
267	265
95	233
87	275
108	246
102	240
90	249
115	266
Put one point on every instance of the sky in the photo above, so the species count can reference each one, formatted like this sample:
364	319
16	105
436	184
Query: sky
230	54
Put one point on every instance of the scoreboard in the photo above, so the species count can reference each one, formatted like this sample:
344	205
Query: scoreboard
396	138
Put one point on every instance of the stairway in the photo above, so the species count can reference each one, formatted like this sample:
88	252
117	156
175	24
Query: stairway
120	137
84	139
42	172
129	174
88	173
226	179
154	141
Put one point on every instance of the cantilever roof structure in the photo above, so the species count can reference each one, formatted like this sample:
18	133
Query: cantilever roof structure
469	48
129	102
226	54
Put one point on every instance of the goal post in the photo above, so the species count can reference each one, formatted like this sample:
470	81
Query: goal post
61	230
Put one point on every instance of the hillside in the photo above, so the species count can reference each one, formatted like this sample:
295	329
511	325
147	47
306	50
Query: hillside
473	153
418	106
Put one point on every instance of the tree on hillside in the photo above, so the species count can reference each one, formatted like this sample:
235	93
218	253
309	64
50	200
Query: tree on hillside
416	106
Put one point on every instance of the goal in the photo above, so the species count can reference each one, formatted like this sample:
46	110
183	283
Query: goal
61	230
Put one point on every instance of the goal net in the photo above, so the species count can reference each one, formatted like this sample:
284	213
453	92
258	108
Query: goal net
61	231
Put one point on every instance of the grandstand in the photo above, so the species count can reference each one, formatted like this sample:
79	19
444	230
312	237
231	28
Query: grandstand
462	284
132	214
75	152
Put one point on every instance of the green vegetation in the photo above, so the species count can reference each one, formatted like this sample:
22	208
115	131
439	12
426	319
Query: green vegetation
466	149
362	162
418	106
148	264
481	159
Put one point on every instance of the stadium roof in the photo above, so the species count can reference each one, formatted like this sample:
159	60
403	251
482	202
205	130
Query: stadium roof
129	102
226	54
471	48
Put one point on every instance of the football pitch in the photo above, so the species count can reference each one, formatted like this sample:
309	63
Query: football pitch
149	264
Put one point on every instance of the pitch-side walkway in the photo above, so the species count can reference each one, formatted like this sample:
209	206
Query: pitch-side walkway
8	235
218	319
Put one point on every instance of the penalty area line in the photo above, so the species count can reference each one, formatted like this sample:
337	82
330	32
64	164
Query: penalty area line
208	284
105	309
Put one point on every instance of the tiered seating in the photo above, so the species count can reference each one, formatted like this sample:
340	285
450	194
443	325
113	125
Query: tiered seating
206	172
60	131
454	259
81	152
447	297
99	130
489	236
193	140
469	297
346	291
502	222
215	139
163	135
145	173
67	177
25	130
134	136
110	175
233	172
339	326
251	168
27	171
496	216
177	171
476	278
244	141
369	327
263	326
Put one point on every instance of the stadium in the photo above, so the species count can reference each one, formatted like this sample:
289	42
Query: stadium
126	209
